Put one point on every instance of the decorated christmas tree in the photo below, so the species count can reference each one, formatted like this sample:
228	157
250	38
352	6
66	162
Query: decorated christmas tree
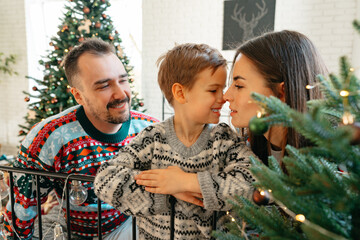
82	19
319	195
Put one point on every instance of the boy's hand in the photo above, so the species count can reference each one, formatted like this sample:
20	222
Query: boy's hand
171	180
190	197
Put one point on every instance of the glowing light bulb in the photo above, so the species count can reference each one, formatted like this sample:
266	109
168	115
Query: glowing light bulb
309	87
300	218
58	232
344	93
4	188
347	118
258	114
233	219
78	193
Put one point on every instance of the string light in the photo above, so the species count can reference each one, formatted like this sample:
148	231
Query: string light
308	87
300	218
344	93
347	118
258	114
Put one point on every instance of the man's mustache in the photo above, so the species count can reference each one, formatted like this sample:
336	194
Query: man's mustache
117	102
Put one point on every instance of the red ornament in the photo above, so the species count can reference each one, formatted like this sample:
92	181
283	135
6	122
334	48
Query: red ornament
81	39
98	25
47	66
59	62
36	108
65	27
111	37
56	47
27	99
104	16
51	43
86	10
21	132
116	31
261	198
54	100
34	88
104	1
141	104
70	48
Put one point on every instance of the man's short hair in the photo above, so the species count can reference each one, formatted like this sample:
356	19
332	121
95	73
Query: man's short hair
93	46
183	63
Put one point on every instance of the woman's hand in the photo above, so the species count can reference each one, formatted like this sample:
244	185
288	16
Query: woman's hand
171	180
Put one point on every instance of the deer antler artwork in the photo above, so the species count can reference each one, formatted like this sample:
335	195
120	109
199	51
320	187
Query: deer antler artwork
248	26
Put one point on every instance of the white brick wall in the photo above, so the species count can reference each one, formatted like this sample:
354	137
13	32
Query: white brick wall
12	105
326	22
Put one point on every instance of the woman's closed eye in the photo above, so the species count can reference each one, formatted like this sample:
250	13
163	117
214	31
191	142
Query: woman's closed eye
239	86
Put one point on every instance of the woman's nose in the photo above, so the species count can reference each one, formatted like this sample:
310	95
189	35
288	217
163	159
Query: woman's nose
227	96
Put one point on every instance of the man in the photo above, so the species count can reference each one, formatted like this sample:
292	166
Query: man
79	139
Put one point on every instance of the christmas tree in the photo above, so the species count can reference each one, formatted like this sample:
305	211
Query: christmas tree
319	195
82	19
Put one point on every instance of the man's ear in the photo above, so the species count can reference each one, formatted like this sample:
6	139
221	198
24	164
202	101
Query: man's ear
281	91
178	92
77	95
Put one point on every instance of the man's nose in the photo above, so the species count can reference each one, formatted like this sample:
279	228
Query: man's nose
119	92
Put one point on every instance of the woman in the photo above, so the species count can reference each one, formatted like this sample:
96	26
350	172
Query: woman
279	64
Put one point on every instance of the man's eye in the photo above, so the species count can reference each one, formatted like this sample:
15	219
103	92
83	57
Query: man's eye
238	86
103	86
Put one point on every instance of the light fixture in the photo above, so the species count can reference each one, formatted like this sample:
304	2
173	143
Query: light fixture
78	193
4	188
58	232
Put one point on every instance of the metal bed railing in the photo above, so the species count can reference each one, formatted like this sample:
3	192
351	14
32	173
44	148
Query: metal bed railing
38	173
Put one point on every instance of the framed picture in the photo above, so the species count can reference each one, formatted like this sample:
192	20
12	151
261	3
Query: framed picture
245	19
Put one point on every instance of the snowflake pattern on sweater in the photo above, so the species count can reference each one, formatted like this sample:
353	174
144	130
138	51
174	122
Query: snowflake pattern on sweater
219	158
69	143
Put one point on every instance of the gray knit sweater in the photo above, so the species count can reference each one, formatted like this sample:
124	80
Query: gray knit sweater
218	157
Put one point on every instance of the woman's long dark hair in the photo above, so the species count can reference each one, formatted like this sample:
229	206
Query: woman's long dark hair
288	57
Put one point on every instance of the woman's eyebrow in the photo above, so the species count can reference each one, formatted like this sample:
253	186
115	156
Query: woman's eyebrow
238	77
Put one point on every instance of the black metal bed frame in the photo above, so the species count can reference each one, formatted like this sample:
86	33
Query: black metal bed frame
83	178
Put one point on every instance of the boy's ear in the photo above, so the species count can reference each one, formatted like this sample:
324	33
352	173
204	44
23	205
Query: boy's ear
178	92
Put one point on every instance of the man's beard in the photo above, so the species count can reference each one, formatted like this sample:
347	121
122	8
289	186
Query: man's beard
107	116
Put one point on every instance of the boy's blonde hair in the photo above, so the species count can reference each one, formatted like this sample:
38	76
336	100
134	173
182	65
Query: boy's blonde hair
183	63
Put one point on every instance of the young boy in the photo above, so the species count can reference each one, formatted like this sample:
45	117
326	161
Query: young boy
201	165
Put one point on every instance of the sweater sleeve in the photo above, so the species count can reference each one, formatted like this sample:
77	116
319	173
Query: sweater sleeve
115	183
25	194
233	178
